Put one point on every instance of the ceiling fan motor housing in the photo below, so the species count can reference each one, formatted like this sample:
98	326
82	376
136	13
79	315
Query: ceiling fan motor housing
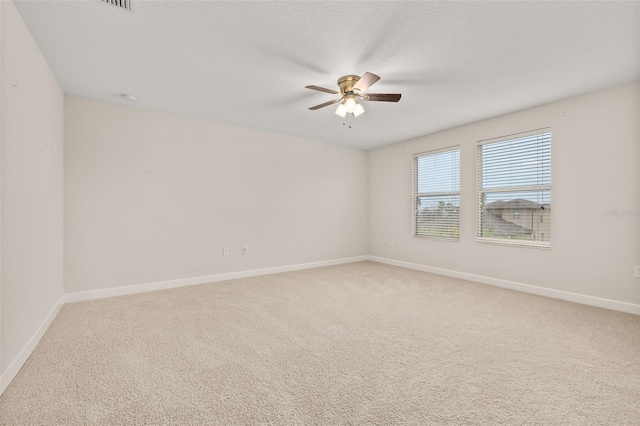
347	82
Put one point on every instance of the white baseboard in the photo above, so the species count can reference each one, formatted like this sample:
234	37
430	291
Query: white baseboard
163	285
12	370
512	285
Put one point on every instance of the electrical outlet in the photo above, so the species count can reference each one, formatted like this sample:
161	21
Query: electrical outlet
245	249
225	251
391	243
636	271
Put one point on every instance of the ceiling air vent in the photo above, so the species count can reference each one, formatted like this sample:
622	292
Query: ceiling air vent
124	4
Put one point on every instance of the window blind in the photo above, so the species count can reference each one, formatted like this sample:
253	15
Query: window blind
514	189
436	194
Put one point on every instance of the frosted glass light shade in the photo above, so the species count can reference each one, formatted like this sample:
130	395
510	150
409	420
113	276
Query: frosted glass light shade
350	104
358	110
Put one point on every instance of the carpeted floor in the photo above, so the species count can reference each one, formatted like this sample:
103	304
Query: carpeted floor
361	343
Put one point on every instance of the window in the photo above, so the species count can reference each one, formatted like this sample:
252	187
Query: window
436	194
514	189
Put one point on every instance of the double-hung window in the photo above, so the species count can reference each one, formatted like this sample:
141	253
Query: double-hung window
514	189
436	194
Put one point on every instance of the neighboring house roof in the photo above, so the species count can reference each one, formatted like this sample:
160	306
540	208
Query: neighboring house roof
516	204
503	227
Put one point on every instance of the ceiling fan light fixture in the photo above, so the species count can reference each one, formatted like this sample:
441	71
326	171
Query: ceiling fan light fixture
350	103
359	110
342	110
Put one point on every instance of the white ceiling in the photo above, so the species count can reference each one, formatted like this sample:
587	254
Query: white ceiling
246	63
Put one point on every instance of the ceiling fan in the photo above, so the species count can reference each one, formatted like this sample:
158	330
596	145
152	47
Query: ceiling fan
351	91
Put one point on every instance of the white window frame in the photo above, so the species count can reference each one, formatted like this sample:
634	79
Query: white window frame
415	194
480	191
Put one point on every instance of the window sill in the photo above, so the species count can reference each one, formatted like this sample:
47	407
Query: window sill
515	243
424	237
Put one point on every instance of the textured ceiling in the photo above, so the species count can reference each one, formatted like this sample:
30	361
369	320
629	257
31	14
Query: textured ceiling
246	63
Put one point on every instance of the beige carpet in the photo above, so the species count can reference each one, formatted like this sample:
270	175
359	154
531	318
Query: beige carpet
362	343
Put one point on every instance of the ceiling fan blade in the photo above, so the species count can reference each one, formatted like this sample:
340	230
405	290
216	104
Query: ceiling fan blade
382	97
367	80
322	89
335	101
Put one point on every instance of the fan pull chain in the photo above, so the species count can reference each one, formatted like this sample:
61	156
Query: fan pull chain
347	120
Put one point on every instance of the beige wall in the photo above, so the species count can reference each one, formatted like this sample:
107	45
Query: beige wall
152	197
594	168
32	186
1	84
